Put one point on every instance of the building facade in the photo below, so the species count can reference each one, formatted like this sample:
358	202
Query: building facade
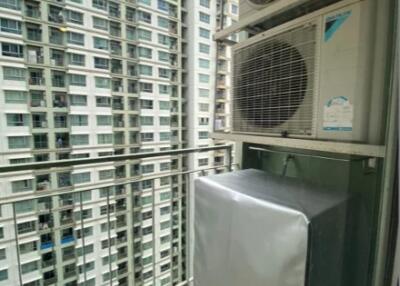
90	78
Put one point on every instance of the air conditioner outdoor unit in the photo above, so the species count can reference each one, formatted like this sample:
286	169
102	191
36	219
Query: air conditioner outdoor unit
318	76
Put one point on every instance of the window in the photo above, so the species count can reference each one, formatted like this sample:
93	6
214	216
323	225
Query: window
10	26
203	107
21	186
147	200
145	52
204	48
203	162
165	166
163	22
165	239
17	119
29	267
144	17
165	136
147	260
144	35
204	78
100	23
205	18
204	120
164	105
163	56
2	254
164	73
165	121
104	120
146	87
106	174
147	137
205	3
76	59
87	250
100	4
84	214
145	70
165	210
104	138
79	120
76	38
101	63
77	79
204	92
102	82
164	89
203	135
12	50
15	96
146	120
81	178
103	101
11	4
203	63
235	9
204	33
3	273
145	169
78	100
28	247
164	40
146	104
165	196
11	73
100	43
17	142
26	227
74	17
146	2
81	139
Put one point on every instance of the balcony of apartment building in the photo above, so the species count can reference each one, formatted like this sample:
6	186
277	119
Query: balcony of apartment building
132	86
36	77
56	14
35	55
116	66
58	79
57	58
115	29
115	48
117	85
32	9
33	32
56	36
131	51
37	98
39	120
118	121
118	103
60	99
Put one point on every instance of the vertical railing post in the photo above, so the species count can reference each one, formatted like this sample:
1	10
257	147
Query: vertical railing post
229	150
17	243
83	238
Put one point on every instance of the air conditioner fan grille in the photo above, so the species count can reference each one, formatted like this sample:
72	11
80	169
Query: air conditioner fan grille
273	84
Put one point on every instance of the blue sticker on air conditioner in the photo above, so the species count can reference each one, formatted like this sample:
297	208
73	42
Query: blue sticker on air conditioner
333	23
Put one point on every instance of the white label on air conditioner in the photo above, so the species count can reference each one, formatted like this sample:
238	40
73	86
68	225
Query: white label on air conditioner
338	114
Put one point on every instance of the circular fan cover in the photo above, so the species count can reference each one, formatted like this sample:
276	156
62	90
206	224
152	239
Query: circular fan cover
275	79
260	2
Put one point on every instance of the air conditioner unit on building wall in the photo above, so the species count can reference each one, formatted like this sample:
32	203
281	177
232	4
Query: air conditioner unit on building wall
314	77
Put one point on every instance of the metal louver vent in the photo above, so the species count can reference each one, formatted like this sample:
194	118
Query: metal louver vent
273	84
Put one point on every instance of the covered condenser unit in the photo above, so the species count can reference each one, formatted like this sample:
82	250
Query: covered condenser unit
318	76
258	229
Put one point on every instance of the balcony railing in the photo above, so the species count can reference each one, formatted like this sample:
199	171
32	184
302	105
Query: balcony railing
131	196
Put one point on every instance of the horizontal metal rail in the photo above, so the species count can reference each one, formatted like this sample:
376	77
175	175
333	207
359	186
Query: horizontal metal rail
108	159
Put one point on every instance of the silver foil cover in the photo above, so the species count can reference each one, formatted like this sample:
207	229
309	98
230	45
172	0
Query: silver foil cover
259	229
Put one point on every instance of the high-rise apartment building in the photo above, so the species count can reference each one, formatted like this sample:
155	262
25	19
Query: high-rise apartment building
91	78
